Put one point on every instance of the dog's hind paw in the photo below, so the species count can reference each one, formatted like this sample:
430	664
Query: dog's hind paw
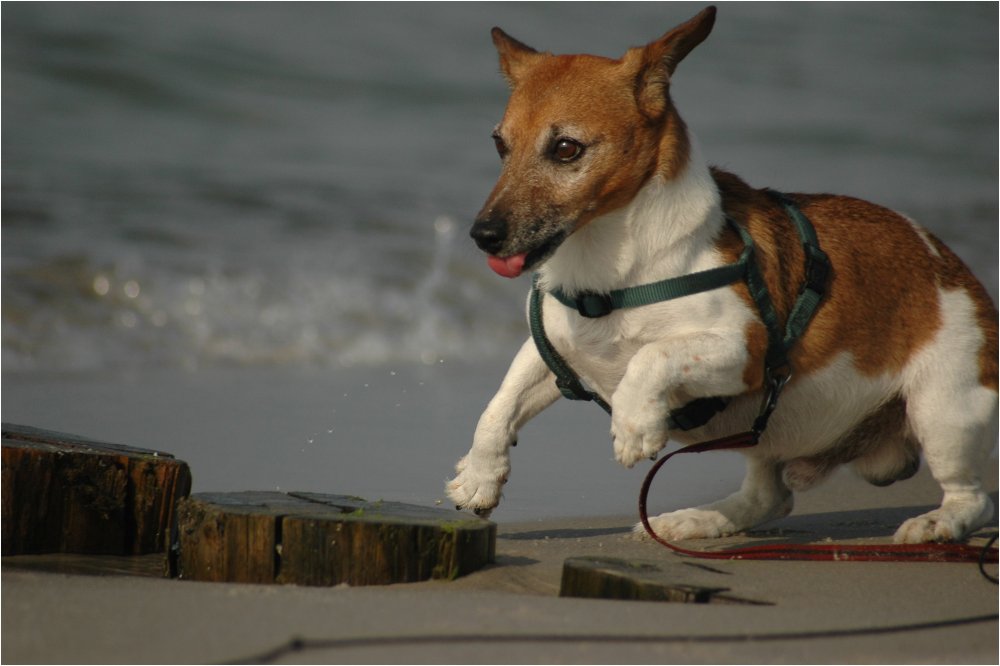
952	522
477	485
688	524
926	529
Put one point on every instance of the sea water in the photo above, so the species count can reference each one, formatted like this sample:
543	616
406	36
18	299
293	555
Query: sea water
269	204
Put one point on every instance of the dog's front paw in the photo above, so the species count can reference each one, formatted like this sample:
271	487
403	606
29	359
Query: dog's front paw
688	524
478	482
638	427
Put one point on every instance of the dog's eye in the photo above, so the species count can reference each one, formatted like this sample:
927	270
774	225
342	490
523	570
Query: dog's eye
501	146
566	150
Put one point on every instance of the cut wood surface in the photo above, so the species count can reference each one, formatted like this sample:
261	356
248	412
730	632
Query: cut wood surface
318	539
642	580
65	493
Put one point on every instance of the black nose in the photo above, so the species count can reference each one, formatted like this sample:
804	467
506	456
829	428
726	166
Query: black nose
489	234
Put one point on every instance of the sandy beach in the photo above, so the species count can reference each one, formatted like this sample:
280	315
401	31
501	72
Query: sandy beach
59	609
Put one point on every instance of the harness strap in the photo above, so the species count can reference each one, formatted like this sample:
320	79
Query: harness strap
593	305
566	379
817	273
692	415
780	340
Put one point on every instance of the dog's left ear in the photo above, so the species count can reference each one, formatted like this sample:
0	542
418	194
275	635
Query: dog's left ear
656	62
515	56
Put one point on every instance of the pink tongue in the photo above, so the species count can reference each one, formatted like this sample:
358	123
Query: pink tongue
510	267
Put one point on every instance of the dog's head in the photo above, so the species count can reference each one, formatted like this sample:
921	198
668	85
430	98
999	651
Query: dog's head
580	136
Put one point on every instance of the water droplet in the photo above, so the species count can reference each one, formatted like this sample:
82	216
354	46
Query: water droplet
131	289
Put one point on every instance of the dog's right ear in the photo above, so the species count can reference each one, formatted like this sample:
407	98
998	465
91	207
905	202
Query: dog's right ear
515	56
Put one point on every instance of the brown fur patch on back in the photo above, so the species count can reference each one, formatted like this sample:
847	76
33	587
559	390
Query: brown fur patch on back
881	304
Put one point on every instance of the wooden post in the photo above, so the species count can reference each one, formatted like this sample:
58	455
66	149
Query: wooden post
613	578
64	493
317	539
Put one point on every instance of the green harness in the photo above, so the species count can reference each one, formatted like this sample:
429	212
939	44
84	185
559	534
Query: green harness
777	370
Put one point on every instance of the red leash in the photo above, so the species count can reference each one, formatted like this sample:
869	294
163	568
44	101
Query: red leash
931	552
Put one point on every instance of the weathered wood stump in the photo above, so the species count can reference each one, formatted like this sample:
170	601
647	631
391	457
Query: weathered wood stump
67	494
316	539
613	578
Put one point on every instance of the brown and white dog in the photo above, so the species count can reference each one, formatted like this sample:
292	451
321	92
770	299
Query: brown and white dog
603	187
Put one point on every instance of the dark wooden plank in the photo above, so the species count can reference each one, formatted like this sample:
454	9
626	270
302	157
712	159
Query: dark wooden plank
636	580
65	493
223	539
374	543
318	539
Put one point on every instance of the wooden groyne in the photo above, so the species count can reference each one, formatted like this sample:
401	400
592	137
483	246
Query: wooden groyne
68	494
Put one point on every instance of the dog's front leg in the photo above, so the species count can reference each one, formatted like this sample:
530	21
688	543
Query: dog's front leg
527	389
762	497
664	375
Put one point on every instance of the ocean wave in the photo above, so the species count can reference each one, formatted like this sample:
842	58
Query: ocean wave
76	313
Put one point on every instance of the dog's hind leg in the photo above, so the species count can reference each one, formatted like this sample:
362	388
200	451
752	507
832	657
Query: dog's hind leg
955	452
881	449
954	434
897	459
954	417
762	497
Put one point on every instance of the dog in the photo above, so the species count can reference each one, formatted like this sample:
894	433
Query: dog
602	187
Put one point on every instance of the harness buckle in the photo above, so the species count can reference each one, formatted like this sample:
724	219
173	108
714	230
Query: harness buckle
817	269
573	389
696	413
593	305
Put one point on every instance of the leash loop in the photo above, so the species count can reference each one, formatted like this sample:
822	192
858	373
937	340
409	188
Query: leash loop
932	552
776	383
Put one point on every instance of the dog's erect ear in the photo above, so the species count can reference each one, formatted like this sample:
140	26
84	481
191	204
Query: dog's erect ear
676	44
657	60
514	55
